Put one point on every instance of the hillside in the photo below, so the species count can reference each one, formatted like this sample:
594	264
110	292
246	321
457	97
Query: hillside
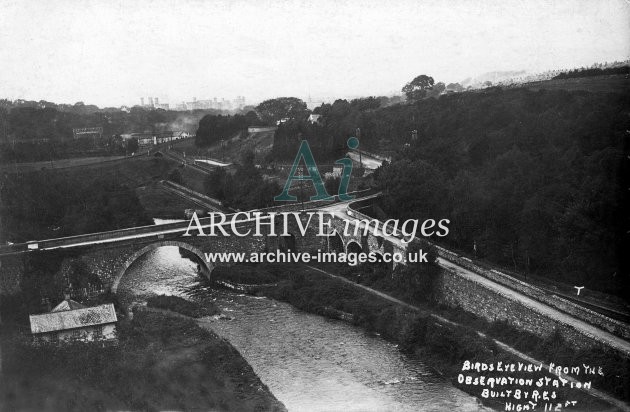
530	180
609	83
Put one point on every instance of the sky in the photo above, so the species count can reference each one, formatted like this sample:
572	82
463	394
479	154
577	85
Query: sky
111	53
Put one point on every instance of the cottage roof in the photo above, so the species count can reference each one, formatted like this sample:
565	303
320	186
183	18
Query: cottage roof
67	304
72	319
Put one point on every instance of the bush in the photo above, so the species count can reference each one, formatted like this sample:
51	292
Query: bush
176	177
183	306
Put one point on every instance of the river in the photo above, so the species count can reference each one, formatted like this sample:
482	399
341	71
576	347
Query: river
309	362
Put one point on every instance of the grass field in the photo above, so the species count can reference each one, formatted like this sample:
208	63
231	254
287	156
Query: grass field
56	164
187	145
142	174
133	172
160	203
193	179
611	83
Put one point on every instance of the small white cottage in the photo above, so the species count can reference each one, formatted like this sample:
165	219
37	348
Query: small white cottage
71	321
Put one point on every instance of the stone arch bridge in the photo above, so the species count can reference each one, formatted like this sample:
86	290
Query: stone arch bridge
489	293
110	254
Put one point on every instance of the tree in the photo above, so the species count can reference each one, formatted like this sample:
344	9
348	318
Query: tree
4	124
251	118
132	145
212	129
455	87
436	90
272	110
417	88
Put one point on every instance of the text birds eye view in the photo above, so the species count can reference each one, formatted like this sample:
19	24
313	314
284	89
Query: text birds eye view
331	206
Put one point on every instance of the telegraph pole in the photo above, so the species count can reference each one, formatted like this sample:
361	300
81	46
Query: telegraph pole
301	174
358	133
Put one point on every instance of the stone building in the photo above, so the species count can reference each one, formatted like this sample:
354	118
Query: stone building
71	321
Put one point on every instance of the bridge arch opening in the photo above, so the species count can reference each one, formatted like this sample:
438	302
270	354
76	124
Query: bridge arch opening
202	267
379	241
353	247
287	243
335	242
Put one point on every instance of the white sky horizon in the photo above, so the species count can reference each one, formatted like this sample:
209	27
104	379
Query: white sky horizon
111	53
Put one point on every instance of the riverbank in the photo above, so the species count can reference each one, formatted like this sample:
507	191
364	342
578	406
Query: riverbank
182	306
162	362
442	344
309	362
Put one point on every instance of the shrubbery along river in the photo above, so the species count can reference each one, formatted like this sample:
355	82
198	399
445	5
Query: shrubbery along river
309	362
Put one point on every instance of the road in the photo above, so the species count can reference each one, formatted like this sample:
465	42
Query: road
211	162
368	162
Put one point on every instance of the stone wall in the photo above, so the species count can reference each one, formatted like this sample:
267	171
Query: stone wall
457	291
579	312
575	310
11	269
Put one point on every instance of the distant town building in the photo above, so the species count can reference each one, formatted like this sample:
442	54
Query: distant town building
146	140
261	129
71	321
218	104
315	118
239	102
90	132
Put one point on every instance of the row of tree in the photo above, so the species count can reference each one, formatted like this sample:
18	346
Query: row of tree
215	128
594	71
532	180
328	135
423	86
40	130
